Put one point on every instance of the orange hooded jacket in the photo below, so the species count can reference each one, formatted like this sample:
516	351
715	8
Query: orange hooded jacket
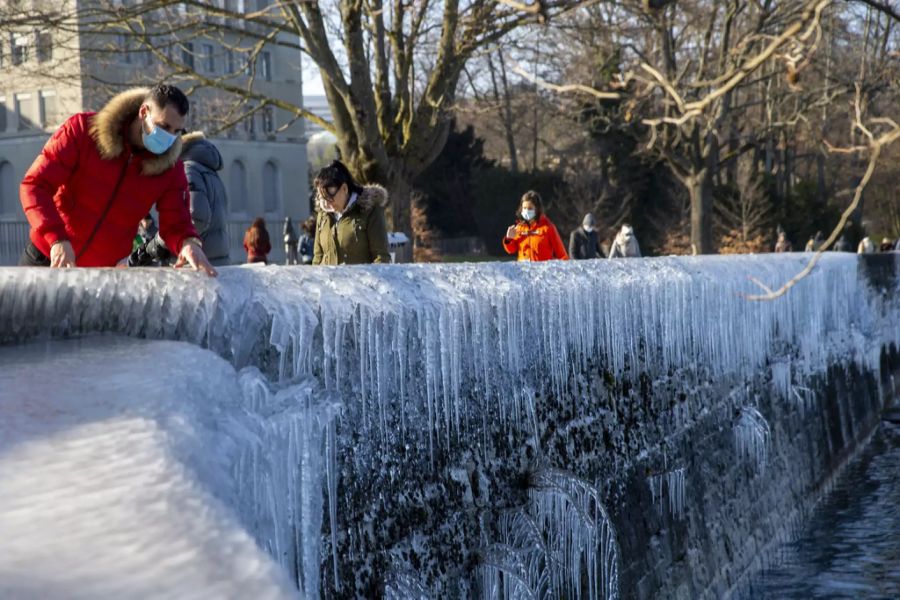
538	240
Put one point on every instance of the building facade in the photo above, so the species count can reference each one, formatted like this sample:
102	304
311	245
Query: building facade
47	75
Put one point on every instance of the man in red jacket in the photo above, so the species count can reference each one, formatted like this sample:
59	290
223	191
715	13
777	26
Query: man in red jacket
100	174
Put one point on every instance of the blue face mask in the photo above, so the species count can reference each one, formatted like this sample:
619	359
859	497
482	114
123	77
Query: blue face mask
158	140
528	214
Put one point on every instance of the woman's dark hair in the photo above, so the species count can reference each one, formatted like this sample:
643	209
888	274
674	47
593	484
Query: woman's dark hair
163	95
337	174
534	198
258	235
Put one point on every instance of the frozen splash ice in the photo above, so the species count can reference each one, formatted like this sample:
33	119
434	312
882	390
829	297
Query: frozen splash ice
751	437
115	459
672	485
561	545
405	585
280	475
415	340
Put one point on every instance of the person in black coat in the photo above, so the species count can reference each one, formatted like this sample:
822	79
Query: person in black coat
583	242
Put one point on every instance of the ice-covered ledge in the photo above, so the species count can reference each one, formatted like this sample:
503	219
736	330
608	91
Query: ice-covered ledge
470	394
115	458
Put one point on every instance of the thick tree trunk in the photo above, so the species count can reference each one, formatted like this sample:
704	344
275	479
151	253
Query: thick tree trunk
398	211
700	189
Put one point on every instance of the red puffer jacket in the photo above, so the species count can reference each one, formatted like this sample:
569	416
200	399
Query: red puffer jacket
89	165
537	240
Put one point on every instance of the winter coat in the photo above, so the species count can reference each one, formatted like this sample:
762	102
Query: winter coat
625	244
209	204
90	187
258	251
865	246
358	237
536	240
584	244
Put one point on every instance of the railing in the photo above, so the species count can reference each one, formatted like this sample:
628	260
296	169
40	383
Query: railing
13	237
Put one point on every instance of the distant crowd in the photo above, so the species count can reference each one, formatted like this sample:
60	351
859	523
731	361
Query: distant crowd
96	179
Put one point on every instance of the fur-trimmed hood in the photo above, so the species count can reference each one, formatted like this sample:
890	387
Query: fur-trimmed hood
108	130
195	147
372	195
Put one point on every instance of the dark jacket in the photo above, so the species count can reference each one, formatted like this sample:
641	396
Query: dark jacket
584	244
209	203
359	237
90	187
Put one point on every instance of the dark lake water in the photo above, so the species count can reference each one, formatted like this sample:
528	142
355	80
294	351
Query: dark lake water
850	547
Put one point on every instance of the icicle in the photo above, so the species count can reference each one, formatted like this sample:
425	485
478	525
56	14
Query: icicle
751	434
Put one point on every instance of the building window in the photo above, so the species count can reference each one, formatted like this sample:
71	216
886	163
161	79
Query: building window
238	183
268	118
123	48
3	119
44	43
209	59
9	196
187	55
229	62
271	185
49	112
265	66
250	124
25	109
19	48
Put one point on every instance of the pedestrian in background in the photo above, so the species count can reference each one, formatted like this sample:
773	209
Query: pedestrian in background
351	228
256	242
290	243
625	245
534	237
308	240
783	244
583	242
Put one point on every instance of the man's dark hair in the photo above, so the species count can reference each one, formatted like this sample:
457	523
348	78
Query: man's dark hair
164	94
335	175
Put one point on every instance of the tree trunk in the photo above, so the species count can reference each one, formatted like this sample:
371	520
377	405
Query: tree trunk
398	211
700	189
821	192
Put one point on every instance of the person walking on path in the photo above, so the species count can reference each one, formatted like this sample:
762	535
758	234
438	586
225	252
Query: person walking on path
351	228
783	244
625	245
308	240
256	242
583	242
290	243
99	175
534	237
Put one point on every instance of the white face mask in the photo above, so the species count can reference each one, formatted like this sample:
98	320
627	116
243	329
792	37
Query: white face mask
588	228
528	214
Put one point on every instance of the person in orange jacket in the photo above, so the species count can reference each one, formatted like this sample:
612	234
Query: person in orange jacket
533	237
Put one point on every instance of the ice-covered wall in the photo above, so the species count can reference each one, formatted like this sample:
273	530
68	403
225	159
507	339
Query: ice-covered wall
479	430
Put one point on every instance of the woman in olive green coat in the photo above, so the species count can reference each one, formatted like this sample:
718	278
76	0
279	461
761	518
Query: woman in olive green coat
350	227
